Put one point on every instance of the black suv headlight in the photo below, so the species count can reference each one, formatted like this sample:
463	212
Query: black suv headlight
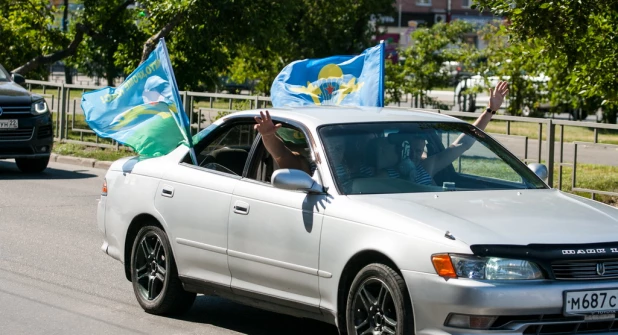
39	107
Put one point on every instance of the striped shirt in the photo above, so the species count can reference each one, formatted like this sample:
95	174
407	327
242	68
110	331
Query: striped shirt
422	177
344	174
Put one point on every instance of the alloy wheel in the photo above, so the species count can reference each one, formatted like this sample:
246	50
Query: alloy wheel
374	309
151	267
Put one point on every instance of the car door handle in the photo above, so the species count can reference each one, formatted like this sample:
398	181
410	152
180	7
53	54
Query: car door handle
167	191
241	207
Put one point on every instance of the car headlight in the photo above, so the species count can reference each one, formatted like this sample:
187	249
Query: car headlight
485	268
39	107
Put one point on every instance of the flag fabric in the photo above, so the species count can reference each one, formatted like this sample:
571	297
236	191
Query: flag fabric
337	80
145	112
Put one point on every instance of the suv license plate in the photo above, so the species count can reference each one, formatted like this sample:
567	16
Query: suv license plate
590	302
8	124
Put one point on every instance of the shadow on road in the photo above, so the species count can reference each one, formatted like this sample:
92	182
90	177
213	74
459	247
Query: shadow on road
8	170
226	314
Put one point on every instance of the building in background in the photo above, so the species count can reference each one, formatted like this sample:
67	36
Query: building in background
412	14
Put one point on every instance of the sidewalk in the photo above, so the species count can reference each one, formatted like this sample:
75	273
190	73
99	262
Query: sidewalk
86	162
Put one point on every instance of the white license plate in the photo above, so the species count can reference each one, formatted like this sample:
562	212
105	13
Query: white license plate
591	302
8	124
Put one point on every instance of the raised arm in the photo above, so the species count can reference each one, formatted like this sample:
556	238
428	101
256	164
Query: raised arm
286	159
439	161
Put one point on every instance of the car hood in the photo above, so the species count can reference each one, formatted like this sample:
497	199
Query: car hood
506	217
14	94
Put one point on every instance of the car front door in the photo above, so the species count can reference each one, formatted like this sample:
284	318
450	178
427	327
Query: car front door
195	200
274	238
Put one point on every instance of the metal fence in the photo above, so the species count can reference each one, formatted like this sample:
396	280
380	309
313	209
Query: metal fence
203	108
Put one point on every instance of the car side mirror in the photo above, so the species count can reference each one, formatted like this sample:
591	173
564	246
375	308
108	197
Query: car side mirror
295	180
18	78
539	169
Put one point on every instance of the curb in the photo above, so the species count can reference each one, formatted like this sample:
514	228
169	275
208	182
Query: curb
86	162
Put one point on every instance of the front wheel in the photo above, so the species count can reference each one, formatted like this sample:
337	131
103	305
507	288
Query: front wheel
32	165
378	303
154	275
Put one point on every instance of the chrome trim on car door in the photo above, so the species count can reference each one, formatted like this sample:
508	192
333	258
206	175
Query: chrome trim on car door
272	262
201	245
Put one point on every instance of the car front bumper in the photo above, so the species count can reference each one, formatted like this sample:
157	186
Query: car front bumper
33	138
521	307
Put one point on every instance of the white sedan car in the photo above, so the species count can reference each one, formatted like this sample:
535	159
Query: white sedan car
483	246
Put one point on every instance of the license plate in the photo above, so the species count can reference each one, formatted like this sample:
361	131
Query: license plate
8	124
591	302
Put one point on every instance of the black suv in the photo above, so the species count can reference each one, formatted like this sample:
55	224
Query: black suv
25	125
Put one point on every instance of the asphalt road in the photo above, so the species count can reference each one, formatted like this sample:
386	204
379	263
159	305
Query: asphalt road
54	278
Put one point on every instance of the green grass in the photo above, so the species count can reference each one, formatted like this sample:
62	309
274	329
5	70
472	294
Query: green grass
101	154
595	177
590	176
73	93
491	168
583	134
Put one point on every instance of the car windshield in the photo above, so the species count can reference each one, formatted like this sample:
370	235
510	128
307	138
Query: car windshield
412	157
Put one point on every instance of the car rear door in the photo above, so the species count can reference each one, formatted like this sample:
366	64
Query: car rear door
195	201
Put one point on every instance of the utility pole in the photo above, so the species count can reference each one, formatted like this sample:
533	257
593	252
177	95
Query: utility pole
68	77
399	25
448	11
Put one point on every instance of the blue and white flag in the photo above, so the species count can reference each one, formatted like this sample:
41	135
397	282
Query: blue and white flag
337	80
145	112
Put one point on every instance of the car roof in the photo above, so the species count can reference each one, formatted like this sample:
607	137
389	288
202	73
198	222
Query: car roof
320	115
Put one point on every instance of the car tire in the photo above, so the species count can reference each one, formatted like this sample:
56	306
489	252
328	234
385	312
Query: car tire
378	303
154	274
32	165
469	104
579	114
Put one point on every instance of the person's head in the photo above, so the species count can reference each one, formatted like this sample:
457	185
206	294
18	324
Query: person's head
417	148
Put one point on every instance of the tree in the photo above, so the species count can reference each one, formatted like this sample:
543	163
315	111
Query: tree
112	37
308	29
26	34
432	47
248	39
581	35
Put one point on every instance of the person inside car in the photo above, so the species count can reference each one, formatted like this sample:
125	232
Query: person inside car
285	158
416	166
348	151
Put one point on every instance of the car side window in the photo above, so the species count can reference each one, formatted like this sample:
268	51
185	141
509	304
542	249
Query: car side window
263	165
228	150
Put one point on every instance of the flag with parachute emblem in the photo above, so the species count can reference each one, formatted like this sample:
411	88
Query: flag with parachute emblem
145	112
338	80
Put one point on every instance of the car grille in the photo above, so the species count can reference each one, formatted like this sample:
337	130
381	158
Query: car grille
44	131
15	112
20	134
550	324
586	270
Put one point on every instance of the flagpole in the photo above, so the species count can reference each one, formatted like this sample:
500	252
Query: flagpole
180	106
382	72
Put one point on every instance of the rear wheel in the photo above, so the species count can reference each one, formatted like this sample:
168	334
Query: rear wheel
32	165
154	274
378	303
